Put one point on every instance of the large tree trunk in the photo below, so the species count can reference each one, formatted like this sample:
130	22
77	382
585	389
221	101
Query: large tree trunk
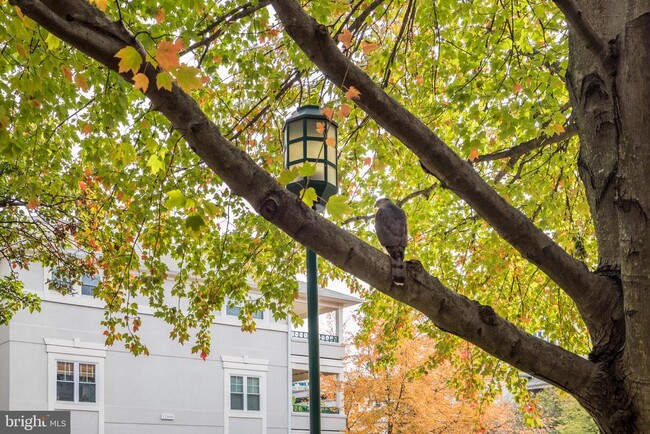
610	98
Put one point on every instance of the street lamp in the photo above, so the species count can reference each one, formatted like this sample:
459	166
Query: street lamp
309	136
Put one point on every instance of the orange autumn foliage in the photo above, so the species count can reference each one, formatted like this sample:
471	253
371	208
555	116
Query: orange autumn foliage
400	399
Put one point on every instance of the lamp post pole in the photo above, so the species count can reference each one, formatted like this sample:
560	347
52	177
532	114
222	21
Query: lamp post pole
313	343
307	141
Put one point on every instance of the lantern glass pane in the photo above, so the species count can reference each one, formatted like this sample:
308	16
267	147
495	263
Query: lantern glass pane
295	130
315	149
311	128
320	172
295	152
331	175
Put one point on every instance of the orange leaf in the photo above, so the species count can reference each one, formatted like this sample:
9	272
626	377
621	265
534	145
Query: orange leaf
419	79
167	54
328	112
346	37
32	204
367	161
559	129
140	81
160	16
344	111
82	185
352	93
80	82
67	73
517	88
368	47
320	127
331	142
87	129
473	154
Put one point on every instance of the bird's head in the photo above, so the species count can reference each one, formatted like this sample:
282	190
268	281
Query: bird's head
381	202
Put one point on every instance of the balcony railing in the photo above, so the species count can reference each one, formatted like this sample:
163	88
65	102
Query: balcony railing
321	337
304	408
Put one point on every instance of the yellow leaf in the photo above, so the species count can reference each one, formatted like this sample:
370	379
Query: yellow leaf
130	59
559	129
189	78
473	154
352	93
140	81
368	47
346	37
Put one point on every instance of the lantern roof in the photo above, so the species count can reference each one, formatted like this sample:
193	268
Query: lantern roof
309	111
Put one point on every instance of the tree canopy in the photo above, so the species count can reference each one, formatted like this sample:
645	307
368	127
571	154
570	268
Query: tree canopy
131	132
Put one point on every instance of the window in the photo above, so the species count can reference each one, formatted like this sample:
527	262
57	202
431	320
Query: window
63	284
88	284
75	381
244	398
234	310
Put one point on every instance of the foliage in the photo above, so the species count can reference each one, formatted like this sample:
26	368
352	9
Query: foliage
561	414
404	397
99	183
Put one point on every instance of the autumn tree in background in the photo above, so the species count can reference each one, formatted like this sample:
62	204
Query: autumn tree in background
514	134
409	394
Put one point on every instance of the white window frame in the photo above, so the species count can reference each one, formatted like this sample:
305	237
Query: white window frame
245	393
76	381
245	367
76	289
76	351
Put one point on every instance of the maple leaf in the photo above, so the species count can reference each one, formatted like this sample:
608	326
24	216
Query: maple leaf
352	93
101	4
67	73
419	79
87	129
140	81
32	204
164	80
80	82
331	142
346	37
167	54
160	16
320	127
517	88
558	128
368	47
189	78
328	112
473	154
130	59
344	111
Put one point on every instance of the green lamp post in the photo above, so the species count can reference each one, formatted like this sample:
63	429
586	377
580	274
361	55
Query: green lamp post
309	136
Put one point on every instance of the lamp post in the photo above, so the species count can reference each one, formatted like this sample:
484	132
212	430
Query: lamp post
310	137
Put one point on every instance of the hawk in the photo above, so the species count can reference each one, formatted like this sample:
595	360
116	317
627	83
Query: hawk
390	227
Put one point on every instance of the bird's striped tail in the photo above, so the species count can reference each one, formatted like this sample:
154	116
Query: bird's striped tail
397	269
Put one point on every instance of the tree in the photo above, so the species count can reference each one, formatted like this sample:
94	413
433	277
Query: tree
402	397
561	414
472	92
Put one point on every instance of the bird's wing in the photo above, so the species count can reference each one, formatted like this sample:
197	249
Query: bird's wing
390	226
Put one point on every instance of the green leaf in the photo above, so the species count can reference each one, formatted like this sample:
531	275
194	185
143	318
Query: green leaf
155	164
309	196
52	42
307	169
288	175
164	80
175	199
194	222
337	206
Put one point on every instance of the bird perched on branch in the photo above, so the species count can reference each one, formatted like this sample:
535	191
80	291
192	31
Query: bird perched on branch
390	227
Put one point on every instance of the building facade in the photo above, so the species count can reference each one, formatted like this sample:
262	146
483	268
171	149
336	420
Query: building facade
251	383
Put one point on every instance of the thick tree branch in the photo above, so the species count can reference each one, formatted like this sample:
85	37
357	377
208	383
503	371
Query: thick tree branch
596	297
450	311
581	26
